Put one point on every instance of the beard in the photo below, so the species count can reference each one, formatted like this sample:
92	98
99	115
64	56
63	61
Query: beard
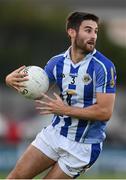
84	47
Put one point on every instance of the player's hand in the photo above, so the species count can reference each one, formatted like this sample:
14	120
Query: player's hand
50	105
16	78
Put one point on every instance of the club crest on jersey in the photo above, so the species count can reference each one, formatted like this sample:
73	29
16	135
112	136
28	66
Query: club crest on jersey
112	82
87	79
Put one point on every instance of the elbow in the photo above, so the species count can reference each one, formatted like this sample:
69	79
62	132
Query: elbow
105	115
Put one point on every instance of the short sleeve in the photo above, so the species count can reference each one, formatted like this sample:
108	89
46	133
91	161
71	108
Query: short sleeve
49	69
106	78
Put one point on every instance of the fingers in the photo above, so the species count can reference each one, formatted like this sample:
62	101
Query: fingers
21	76
57	96
47	97
49	105
16	88
20	68
17	79
44	108
45	112
50	99
20	79
18	85
16	76
41	102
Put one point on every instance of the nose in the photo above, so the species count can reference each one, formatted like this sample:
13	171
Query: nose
93	38
94	35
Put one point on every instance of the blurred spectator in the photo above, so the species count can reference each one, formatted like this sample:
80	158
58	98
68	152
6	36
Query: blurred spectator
13	132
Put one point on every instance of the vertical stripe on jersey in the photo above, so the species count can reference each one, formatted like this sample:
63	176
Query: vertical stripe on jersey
83	126
95	151
59	77
62	82
56	121
64	129
105	71
67	120
73	74
94	88
80	129
59	73
88	89
73	70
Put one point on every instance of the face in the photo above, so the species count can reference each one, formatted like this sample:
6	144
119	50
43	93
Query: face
85	38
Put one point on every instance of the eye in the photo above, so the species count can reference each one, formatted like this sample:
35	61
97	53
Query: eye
96	31
88	30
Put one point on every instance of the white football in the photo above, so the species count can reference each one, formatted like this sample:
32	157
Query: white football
37	83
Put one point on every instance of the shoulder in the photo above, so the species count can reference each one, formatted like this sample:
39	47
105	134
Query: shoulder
102	60
52	63
55	59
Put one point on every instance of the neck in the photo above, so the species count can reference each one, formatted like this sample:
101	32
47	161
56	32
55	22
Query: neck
77	55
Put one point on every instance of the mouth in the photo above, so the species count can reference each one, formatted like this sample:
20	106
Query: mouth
91	43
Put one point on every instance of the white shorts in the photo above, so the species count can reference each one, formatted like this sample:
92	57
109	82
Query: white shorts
72	157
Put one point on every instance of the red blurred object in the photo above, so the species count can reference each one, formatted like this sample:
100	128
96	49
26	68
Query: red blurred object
13	134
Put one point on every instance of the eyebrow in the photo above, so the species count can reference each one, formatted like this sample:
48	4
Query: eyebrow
90	27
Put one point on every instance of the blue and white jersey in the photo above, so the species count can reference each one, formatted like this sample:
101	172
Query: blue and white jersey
78	85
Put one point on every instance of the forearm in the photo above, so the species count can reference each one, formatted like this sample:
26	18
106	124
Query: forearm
101	111
93	112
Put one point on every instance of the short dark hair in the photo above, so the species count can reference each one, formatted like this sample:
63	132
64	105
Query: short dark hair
75	19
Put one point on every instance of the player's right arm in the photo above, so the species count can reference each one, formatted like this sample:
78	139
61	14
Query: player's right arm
16	78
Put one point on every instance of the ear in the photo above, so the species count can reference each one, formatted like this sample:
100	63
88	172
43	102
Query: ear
71	32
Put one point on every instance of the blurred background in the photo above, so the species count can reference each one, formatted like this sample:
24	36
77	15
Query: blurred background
31	32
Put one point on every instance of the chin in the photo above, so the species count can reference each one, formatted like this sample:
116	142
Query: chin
90	49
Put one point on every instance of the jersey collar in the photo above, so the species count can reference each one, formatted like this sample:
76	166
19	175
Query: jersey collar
67	54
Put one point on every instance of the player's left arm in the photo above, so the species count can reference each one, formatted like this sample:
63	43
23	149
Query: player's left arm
102	110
